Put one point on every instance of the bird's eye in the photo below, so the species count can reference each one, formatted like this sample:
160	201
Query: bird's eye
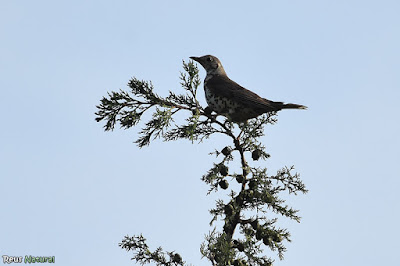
209	59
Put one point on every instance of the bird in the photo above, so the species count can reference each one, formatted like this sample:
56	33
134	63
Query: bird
226	97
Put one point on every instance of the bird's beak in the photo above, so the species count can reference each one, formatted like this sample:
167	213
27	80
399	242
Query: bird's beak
195	58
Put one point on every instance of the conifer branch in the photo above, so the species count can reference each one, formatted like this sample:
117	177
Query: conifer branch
250	214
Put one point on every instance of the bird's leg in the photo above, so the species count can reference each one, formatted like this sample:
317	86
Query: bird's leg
240	134
207	112
241	130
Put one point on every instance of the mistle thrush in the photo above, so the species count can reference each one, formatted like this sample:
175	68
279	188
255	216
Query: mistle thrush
227	98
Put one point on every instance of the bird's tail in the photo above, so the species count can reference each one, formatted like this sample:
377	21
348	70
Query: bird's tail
293	106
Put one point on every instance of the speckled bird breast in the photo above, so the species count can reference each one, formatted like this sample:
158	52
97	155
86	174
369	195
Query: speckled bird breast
228	107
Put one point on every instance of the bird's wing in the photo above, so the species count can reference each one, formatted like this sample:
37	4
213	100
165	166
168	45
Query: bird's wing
224	86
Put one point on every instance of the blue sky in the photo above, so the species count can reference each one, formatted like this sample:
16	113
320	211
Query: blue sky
70	190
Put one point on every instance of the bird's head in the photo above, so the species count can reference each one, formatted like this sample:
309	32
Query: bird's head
211	64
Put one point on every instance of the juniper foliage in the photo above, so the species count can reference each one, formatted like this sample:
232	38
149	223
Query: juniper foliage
250	216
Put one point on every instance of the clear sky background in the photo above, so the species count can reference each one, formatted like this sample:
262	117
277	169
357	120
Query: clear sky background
70	190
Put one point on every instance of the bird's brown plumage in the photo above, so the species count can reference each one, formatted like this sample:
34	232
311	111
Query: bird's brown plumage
226	97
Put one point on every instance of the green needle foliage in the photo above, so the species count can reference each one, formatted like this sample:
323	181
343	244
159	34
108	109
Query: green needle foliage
250	215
